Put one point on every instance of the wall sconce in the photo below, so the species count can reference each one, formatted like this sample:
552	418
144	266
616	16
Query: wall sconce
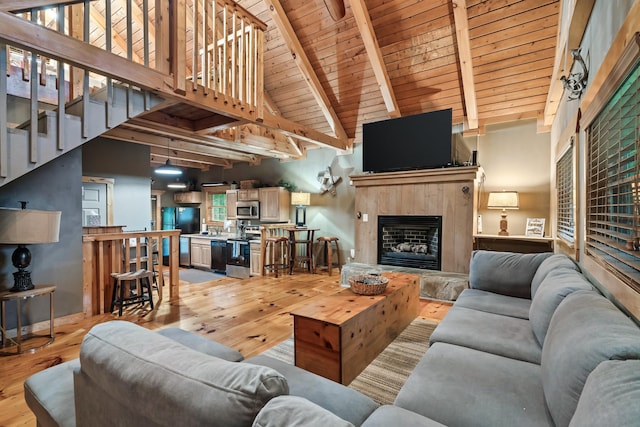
503	200
25	226
301	201
576	82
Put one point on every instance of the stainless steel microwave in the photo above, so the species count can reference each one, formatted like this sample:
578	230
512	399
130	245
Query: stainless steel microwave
248	209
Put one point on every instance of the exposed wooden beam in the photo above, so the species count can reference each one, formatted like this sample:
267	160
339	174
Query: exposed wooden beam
160	155
464	57
248	151
363	20
302	61
336	9
124	133
303	133
17	6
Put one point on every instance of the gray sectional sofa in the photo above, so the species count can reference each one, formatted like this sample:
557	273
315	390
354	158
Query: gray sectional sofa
530	343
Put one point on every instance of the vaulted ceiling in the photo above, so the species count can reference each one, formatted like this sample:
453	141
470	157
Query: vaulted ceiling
332	65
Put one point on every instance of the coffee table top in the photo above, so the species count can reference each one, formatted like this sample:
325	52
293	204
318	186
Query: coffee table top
338	308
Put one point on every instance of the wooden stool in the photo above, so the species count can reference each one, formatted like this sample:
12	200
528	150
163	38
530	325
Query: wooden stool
278	246
301	238
328	251
119	279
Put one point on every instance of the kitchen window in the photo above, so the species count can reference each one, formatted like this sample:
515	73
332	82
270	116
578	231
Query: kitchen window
216	205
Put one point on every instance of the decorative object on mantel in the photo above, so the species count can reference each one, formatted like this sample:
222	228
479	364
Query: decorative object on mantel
25	226
368	284
301	201
328	181
576	82
503	200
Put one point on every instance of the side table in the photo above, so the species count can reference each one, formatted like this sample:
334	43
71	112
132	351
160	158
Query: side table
5	296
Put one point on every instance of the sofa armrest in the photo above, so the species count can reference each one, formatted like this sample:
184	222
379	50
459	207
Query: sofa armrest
294	411
504	273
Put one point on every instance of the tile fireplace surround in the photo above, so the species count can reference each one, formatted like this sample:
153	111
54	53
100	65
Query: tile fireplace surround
448	192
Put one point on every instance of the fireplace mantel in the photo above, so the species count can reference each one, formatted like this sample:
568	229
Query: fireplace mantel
449	192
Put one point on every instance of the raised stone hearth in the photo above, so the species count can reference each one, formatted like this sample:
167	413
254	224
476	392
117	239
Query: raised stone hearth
437	285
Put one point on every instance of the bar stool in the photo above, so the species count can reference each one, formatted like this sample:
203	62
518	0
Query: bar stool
327	243
278	247
121	279
301	238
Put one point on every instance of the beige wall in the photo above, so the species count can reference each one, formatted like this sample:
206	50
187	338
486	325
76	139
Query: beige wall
517	158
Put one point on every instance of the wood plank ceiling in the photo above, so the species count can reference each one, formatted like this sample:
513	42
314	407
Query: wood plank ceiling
488	60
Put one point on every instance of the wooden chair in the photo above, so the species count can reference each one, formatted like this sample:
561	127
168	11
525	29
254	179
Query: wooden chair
278	249
131	279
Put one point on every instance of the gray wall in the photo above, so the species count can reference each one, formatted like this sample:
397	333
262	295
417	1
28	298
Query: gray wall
53	186
128	165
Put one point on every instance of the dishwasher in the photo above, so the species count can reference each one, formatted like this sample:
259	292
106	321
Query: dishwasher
219	256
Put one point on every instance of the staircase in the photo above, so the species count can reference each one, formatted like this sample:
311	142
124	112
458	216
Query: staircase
84	119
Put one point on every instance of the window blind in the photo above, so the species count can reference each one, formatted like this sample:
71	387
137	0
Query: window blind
613	182
566	207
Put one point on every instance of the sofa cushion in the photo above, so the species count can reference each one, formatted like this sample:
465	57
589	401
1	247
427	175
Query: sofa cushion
554	288
585	330
463	387
491	302
346	403
150	379
611	396
389	415
502	335
49	394
294	411
504	273
552	263
202	344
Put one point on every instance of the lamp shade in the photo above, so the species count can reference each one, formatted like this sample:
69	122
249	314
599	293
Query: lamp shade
26	226
503	200
168	169
301	199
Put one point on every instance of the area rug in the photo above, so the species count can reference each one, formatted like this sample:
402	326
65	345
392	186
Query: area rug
193	275
384	377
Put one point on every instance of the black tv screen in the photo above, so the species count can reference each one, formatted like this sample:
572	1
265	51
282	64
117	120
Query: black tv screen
422	141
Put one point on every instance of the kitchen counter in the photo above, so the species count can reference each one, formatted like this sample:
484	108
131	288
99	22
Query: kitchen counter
221	236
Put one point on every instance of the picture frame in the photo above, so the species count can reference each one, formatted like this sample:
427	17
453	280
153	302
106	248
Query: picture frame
535	227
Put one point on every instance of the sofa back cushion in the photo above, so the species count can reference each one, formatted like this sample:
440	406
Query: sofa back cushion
611	396
556	285
504	273
586	329
143	378
295	411
551	264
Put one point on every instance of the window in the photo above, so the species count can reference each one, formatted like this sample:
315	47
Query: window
218	209
566	206
613	182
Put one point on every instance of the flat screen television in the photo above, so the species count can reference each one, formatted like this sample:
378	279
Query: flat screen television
421	141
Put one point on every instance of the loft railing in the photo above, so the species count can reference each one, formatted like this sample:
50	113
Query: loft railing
213	47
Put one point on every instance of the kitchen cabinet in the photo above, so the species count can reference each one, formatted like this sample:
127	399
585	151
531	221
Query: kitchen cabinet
251	194
187	197
200	252
232	198
275	204
254	254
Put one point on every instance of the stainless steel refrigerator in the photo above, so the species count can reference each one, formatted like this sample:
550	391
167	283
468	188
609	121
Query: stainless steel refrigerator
187	220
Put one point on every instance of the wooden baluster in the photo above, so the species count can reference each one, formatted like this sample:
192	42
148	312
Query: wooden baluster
204	56
214	50
233	70
4	136
108	47
61	87
224	67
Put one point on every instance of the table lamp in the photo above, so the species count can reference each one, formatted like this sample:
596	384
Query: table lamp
22	227
301	201
503	200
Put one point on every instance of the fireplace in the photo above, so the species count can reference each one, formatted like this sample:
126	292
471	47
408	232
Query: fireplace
410	241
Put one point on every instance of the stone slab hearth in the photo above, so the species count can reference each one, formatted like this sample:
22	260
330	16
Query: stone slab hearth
436	285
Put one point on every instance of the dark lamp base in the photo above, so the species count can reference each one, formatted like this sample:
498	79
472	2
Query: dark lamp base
22	281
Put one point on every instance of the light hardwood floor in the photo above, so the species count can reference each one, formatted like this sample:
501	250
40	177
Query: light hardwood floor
250	315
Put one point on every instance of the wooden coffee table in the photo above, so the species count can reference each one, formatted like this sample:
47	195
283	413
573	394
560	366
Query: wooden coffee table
339	335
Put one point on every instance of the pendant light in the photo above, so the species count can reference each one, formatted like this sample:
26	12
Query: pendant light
168	168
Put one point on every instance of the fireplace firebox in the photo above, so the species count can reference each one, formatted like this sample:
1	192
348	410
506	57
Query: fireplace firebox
410	241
